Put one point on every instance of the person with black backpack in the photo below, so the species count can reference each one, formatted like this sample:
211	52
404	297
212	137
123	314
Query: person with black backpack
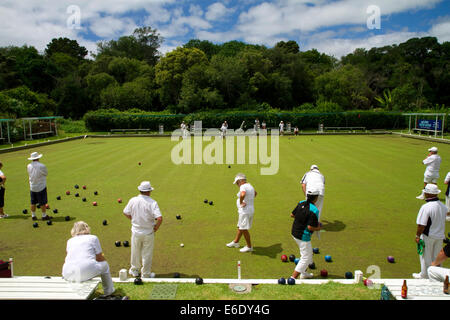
306	221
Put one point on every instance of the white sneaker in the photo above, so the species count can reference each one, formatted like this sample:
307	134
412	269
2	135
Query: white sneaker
4	216
246	249
306	275
233	244
151	275
417	276
448	218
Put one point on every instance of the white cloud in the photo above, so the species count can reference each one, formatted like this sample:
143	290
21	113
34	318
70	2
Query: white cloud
111	27
441	31
218	11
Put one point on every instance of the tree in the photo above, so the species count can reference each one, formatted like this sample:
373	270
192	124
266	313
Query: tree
66	46
170	71
31	68
345	86
8	75
142	45
289	47
209	48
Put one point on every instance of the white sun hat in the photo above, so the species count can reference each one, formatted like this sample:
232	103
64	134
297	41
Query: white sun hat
239	176
35	156
433	149
431	189
314	167
313	192
145	186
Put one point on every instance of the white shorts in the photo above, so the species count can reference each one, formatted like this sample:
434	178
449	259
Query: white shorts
245	221
430	177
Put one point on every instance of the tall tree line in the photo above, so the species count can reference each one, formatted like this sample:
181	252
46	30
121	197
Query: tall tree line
129	73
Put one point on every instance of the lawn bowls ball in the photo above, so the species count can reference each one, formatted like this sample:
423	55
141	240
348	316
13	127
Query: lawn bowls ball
105	222
291	281
138	281
24	211
296	260
291	258
67	218
328	258
348	275
390	259
323	273
117	243
176	275
284	258
312	266
55	211
126	244
35	225
316	250
199	281
49	222
282	281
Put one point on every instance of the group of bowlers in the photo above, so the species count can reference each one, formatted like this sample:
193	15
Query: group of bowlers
431	220
85	260
306	217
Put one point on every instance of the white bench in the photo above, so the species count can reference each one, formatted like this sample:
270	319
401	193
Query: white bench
45	288
418	289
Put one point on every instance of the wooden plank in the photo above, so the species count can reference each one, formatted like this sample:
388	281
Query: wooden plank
418	289
42	288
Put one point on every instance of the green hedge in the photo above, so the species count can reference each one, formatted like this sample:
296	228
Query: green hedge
105	120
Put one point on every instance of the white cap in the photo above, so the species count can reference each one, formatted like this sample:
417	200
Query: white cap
431	189
35	156
239	176
314	167
434	149
145	186
312	192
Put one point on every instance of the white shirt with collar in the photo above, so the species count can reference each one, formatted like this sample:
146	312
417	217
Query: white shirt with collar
432	215
314	180
433	164
143	211
37	173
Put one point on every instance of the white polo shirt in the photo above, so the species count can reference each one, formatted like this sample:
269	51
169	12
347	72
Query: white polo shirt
82	248
314	180
249	199
143	211
432	215
1	175
433	164
37	173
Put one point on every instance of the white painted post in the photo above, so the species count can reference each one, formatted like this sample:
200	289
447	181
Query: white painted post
239	270
11	264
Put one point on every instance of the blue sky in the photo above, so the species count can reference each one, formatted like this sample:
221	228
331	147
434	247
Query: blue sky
335	27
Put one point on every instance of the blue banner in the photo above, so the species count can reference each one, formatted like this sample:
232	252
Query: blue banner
429	124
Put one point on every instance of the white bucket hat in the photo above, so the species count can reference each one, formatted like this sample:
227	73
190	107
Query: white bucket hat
431	189
433	149
313	193
145	186
35	156
239	176
314	167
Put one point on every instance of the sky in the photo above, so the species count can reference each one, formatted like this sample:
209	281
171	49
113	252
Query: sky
334	27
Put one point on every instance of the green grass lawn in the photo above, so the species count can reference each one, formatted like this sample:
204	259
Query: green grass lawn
369	210
327	291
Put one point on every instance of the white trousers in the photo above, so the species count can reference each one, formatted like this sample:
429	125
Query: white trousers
438	273
306	255
430	252
86	270
142	254
319	205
